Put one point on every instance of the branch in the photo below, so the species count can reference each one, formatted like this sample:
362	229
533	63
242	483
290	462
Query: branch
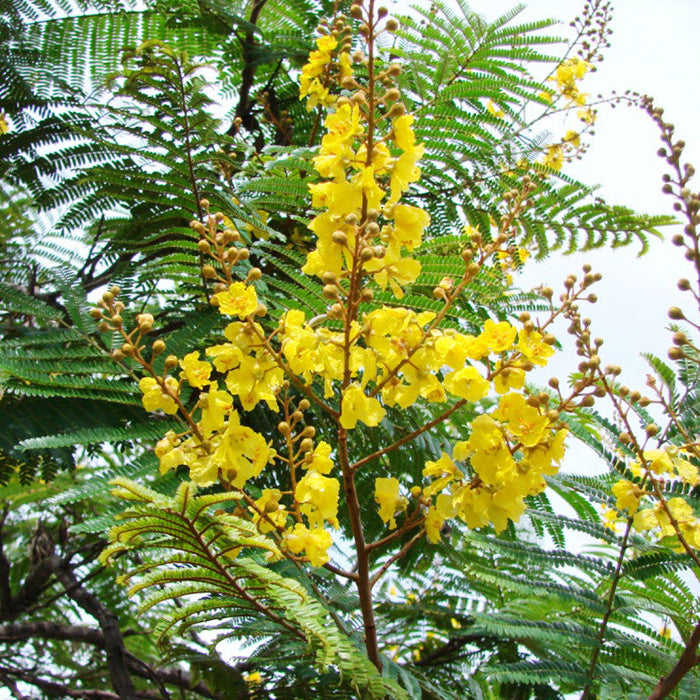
89	635
109	624
689	659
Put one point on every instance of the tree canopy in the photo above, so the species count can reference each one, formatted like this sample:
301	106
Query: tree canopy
272	408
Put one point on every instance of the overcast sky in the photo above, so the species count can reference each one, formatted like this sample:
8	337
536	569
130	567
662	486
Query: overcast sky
654	50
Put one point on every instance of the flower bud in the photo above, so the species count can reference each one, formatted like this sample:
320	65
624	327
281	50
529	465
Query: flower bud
339	237
158	347
330	291
171	362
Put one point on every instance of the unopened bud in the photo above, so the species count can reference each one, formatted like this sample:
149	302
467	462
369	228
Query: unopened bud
339	237
171	362
158	347
330	291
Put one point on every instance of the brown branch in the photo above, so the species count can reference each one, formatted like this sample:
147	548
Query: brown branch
109	624
411	436
59	690
244	116
44	629
689	659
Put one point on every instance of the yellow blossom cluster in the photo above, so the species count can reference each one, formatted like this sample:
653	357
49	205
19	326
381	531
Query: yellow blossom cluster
364	181
642	502
507	456
557	153
356	362
566	77
315	76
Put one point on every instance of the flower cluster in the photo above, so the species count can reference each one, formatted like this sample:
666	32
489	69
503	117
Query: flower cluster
651	512
360	360
315	75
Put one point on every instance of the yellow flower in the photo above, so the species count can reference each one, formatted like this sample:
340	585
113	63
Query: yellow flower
394	270
508	378
254	380
155	398
628	496
318	497
216	405
588	116
320	459
554	157
493	108
433	525
240	454
238	300
356	405
269	514
498	337
315	542
467	383
658	461
523	421
409	224
386	494
531	346
196	371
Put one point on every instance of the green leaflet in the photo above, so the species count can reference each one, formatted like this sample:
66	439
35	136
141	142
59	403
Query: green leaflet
219	565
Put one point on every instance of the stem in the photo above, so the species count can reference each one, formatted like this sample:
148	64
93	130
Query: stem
364	588
411	436
586	694
689	659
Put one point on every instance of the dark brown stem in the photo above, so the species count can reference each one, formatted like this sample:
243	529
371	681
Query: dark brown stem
395	557
689	659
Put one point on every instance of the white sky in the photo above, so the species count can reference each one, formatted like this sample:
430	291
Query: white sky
654	50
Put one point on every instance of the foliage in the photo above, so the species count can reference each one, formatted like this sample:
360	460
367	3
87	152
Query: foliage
356	493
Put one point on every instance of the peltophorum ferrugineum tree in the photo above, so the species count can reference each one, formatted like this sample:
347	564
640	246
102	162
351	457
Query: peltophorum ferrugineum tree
341	380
